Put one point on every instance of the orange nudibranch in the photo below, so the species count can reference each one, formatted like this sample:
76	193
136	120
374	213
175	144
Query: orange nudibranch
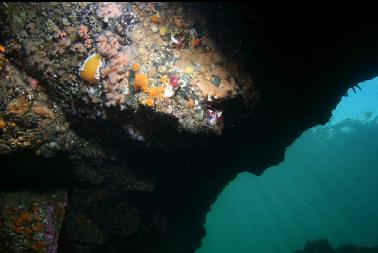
90	70
2	49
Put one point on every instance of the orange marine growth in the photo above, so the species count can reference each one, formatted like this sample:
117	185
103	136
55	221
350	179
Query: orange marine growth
196	42
150	102
155	19
2	49
156	91
140	82
19	230
28	230
39	246
37	227
135	67
2	124
25	217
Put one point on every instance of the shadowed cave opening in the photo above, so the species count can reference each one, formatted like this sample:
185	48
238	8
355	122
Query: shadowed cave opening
325	188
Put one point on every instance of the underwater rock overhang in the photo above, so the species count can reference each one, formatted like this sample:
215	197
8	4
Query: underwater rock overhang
155	199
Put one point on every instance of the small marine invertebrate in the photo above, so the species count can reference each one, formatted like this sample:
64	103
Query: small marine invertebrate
79	48
90	70
114	98
83	31
164	79
109	10
116	79
190	103
156	91
108	44
88	43
2	124
39	246
25	217
215	117
135	67
119	62
37	227
155	19
18	106
59	34
196	42
173	81
140	82
62	44
163	30
33	82
2	49
149	102
43	111
27	230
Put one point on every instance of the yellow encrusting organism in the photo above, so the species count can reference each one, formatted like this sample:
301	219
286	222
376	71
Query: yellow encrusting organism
90	70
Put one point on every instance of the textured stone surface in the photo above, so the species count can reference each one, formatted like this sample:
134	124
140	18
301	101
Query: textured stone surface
323	246
152	194
31	222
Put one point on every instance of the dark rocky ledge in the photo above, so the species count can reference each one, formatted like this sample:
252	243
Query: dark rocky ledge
141	176
323	246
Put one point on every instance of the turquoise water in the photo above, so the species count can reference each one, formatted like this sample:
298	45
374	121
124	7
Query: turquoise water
327	187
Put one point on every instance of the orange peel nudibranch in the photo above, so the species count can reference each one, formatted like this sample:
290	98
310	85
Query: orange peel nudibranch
90	70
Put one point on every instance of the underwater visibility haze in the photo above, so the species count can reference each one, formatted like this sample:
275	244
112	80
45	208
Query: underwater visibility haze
325	188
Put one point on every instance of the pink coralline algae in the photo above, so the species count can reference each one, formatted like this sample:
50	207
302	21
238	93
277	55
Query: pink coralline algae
42	63
33	82
108	44
62	38
62	44
83	32
115	73
116	79
59	34
109	10
79	48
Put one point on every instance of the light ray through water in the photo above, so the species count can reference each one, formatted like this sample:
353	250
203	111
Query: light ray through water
325	188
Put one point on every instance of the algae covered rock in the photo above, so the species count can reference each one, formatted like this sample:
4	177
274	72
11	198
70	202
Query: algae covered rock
140	66
31	222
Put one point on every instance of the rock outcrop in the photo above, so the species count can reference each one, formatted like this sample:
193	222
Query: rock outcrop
175	101
323	246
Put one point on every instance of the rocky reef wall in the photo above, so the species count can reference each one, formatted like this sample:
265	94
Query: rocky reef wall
141	113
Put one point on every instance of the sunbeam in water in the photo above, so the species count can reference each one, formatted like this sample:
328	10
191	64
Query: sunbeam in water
325	188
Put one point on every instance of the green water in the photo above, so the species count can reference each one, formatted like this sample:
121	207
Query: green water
327	187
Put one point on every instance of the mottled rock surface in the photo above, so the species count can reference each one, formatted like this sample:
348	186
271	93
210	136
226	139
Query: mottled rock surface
31	222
